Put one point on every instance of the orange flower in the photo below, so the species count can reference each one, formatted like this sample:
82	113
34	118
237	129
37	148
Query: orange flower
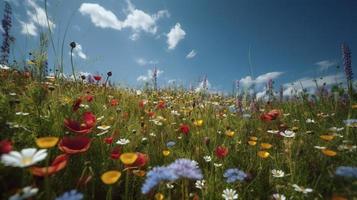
263	154
128	158
252	143
327	137
58	164
166	152
46	142
253	138
110	177
139	173
265	145
329	152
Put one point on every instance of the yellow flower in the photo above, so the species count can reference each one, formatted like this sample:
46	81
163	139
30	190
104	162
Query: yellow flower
265	145
139	173
159	196
263	154
230	133
166	152
354	106
329	152
198	122
252	143
30	62
253	138
128	158
327	137
295	128
110	177
46	142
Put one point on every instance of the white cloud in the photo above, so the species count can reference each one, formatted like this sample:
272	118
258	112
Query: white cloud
78	52
148	76
191	54
175	35
203	85
143	62
325	64
248	81
136	20
37	18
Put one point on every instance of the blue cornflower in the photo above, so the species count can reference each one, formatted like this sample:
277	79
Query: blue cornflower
349	122
186	168
155	176
234	174
71	195
346	171
170	144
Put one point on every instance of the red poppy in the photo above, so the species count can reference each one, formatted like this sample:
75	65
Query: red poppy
184	128
116	152
221	151
141	161
108	140
142	103
5	146
151	114
114	102
160	105
76	104
97	77
89	98
58	164
271	115
74	145
84	128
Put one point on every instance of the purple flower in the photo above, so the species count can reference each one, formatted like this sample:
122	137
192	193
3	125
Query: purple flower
234	174
347	63
186	168
71	195
346	171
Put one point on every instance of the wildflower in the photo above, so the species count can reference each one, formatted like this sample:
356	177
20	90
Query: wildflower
273	131
319	147
346	55
109	140
159	196
200	184
76	104
115	154
74	145
229	133
186	168
88	119
110	177
103	127
184	128
234	174
97	78
221	151
229	194
350	122
59	163
329	152
271	115
155	176
265	145
25	158
169	185
71	195
218	164
252	143
114	102
301	189
335	129
198	123
72	45
46	142
346	171
128	158
310	121
170	144
207	158
166	152
139	173
279	197
123	141
5	146
25	193
263	154
141	160
327	137
287	133
278	173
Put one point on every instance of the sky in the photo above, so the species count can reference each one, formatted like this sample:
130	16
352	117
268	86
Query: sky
289	41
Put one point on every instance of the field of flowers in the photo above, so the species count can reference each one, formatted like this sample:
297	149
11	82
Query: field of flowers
63	139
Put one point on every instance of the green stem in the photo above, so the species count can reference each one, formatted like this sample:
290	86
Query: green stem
109	193
74	76
127	184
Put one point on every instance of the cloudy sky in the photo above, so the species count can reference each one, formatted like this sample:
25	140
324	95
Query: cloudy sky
290	41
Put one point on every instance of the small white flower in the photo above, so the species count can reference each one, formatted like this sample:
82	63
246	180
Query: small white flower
310	121
302	189
273	131
152	134
279	197
175	112
229	194
103	127
278	173
218	164
288	133
200	184
22	113
4	67
123	141
319	147
25	193
335	129
144	139
169	185
207	158
12	94
102	133
100	118
26	158
85	106
138	92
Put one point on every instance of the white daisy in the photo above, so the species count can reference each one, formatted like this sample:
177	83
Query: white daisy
302	189
103	127
200	184
207	158
25	193
279	197
288	133
310	121
26	158
229	194
123	141
278	173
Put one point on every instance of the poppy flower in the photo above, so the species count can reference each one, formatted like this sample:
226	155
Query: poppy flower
141	160
327	137
252	143
265	145
221	151
74	145
128	158
97	78
114	102
58	164
110	177
116	152
151	114
161	105
84	128
89	98
76	104
46	142
263	154
329	152
5	146
184	128
271	115
108	140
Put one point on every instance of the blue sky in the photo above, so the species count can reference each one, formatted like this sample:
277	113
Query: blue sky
289	40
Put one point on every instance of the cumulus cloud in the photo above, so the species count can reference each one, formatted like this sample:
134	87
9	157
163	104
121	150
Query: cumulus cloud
136	20
175	35
148	76
261	79
36	18
203	85
143	62
325	64
191	54
78	52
